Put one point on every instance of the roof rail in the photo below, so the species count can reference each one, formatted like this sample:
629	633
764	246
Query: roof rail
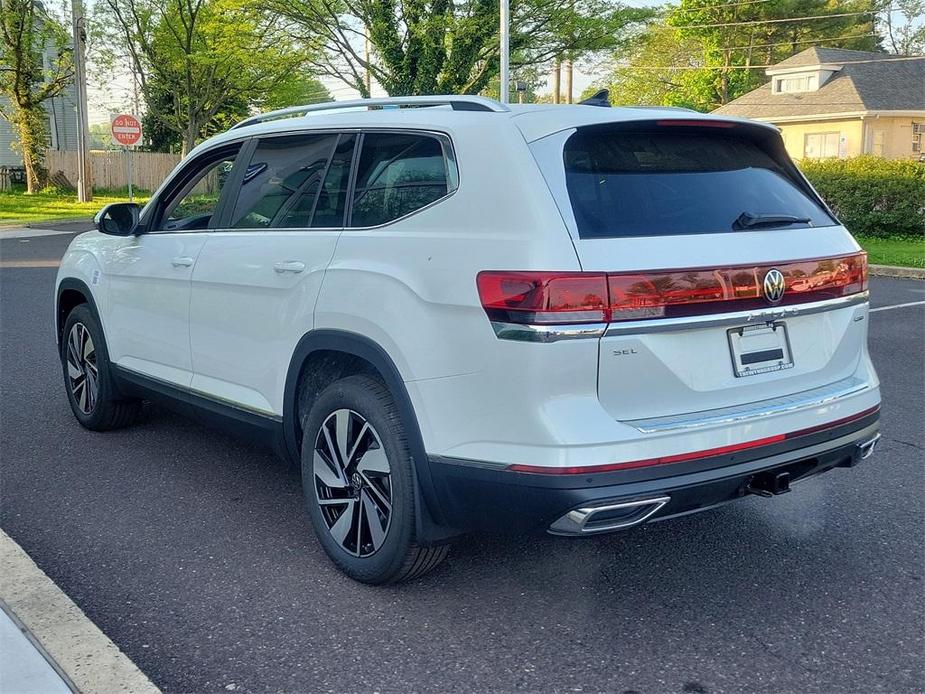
457	103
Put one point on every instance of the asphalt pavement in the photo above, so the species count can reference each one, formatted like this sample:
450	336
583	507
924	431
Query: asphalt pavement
192	552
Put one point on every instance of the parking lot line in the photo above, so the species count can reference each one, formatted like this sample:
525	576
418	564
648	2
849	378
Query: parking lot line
888	308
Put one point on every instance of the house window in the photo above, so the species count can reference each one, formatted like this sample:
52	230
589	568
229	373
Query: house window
821	145
917	130
796	83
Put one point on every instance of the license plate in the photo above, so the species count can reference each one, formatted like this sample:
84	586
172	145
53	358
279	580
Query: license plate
760	349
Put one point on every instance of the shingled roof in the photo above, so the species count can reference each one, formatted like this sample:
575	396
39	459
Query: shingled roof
881	84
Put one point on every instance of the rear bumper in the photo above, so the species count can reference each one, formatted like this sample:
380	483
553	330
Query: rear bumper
480	496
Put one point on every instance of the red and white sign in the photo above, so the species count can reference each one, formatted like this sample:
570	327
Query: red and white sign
126	129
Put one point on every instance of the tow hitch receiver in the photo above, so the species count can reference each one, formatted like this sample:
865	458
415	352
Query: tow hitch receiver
769	484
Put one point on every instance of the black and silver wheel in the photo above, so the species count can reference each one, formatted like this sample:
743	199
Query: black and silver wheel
353	482
359	486
91	392
82	372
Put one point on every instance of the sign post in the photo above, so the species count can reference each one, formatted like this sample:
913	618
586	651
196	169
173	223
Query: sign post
126	131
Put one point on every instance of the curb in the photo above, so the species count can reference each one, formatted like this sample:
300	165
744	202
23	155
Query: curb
911	273
89	661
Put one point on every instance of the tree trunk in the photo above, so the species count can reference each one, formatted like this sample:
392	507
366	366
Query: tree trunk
30	125
556	81
190	135
569	75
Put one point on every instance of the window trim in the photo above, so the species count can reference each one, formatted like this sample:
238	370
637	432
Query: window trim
182	177
449	158
253	143
250	143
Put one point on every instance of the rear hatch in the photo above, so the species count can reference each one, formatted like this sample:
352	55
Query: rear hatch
729	281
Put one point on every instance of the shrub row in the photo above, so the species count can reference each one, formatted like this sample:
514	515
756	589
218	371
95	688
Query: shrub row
872	196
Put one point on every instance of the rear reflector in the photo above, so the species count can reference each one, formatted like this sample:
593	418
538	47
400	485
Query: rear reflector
595	297
694	455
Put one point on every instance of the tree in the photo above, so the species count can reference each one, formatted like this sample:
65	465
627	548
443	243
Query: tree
906	37
198	59
35	65
704	53
444	46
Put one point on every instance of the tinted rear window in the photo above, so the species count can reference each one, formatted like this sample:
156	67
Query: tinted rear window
664	182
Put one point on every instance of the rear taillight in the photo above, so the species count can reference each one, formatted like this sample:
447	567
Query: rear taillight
593	297
544	297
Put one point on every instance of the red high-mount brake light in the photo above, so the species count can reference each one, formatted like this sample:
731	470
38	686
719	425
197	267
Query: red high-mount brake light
596	297
544	297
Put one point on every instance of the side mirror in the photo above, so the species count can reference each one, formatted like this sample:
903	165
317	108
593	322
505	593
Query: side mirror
118	218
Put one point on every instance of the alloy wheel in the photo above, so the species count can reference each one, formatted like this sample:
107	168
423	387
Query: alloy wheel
82	371
353	484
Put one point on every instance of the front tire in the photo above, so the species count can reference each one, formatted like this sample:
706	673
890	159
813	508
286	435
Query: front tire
91	391
359	485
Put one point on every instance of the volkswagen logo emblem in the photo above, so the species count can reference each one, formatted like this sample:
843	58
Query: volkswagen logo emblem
774	285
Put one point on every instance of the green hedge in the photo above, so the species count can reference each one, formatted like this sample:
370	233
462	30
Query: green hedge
872	196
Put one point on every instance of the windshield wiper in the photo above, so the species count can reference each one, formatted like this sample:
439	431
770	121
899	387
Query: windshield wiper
747	220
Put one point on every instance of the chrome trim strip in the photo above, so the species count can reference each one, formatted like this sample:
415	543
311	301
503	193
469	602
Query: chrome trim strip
815	397
546	333
661	325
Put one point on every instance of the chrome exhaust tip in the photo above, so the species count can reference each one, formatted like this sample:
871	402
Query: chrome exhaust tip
607	517
866	448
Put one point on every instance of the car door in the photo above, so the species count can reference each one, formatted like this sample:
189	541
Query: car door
257	278
149	274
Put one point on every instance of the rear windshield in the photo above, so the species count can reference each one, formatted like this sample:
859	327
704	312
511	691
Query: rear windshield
686	181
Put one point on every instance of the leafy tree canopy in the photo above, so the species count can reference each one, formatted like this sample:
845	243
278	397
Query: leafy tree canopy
35	65
202	63
703	53
446	46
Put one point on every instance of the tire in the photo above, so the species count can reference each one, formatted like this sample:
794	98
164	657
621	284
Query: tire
88	381
359	485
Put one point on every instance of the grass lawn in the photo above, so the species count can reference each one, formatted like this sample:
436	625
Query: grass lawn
901	251
18	208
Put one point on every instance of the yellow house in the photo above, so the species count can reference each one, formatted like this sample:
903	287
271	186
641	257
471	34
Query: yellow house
830	102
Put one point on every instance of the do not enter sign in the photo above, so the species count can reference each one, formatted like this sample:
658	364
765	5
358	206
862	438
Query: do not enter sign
126	129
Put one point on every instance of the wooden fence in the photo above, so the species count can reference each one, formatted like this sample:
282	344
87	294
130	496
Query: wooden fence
110	169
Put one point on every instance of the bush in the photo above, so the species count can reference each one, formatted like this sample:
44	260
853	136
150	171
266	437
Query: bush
872	197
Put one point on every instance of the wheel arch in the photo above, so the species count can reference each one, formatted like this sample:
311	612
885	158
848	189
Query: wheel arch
363	355
72	292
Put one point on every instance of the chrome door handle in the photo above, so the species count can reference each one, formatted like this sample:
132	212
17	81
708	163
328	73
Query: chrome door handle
289	266
182	261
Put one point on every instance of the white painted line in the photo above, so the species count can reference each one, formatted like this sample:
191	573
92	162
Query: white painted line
83	653
24	233
889	308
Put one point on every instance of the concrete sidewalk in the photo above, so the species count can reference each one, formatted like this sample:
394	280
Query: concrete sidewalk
47	644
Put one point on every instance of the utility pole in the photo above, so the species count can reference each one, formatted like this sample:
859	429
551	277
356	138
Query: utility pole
505	50
84	184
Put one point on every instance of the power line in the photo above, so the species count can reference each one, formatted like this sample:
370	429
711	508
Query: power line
791	43
760	67
775	21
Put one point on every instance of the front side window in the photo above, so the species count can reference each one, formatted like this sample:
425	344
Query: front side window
399	173
662	181
282	181
190	206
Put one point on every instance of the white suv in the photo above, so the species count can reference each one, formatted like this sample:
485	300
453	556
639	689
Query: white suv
459	315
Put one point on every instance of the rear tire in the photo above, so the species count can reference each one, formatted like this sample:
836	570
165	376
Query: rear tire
359	485
91	390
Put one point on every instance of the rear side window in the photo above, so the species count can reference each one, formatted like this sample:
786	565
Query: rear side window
282	183
399	173
668	181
